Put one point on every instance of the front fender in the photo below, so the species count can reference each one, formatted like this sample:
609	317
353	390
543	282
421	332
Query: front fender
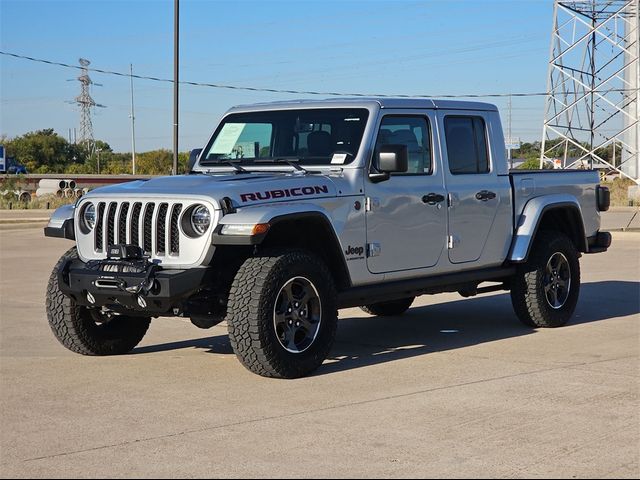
529	221
264	214
61	223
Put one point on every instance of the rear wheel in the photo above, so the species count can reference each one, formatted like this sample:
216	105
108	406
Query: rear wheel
389	309
87	331
282	313
545	290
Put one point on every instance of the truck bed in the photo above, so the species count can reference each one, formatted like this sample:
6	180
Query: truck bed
581	184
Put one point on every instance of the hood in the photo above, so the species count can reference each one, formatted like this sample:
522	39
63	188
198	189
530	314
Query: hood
242	189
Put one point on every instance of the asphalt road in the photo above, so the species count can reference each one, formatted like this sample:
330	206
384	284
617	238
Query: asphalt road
455	388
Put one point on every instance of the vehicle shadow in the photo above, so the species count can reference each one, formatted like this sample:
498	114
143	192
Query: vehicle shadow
363	341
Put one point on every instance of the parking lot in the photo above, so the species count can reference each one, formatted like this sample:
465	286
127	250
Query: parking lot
456	387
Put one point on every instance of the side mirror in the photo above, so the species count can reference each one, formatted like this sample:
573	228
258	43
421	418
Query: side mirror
393	159
193	158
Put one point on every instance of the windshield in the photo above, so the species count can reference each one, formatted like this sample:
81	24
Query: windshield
313	137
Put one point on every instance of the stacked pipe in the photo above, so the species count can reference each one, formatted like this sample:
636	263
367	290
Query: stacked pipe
60	188
20	195
51	186
23	196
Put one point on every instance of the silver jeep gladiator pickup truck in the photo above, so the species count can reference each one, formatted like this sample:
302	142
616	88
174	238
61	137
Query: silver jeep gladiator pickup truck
294	210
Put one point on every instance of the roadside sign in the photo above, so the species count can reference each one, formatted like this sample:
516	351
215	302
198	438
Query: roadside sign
513	143
3	164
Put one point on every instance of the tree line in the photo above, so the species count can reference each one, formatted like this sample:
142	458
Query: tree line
44	151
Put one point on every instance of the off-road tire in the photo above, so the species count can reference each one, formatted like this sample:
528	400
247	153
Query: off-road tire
527	292
389	309
76	328
250	313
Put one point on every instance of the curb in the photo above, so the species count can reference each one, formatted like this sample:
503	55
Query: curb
11	221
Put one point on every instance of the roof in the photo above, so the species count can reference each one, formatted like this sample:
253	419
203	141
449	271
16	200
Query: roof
381	102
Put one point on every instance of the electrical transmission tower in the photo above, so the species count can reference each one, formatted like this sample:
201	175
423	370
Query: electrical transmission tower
592	111
86	104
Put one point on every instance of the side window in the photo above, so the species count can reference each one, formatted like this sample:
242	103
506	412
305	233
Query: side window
466	144
414	132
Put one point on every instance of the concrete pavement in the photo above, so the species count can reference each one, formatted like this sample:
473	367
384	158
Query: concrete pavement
455	388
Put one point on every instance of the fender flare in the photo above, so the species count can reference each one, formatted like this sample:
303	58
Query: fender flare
529	222
269	214
61	223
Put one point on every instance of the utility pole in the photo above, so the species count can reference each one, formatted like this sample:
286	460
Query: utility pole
98	150
176	49
133	125
509	141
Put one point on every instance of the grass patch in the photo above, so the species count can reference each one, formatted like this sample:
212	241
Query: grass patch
619	191
37	203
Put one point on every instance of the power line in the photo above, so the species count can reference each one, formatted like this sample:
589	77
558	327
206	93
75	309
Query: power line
275	90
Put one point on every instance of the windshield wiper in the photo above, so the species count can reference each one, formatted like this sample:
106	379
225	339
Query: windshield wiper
291	161
235	164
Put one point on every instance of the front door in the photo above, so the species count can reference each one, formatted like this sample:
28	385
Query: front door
407	214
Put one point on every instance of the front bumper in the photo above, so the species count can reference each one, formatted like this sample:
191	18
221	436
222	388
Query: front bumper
117	291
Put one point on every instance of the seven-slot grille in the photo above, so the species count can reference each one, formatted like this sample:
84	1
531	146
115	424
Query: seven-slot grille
153	226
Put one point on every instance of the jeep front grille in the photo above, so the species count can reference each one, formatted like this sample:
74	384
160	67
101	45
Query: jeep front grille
155	224
146	224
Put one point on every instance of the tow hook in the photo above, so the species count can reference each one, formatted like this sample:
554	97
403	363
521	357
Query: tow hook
146	285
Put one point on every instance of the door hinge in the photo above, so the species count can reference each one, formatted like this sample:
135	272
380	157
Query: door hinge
371	203
453	241
374	249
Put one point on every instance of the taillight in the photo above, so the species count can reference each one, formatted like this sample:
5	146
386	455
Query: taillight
603	198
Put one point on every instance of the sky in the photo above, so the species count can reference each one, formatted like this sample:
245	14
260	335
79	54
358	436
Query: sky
429	48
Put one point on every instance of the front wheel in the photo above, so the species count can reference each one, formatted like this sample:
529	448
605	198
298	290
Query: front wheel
282	314
545	290
87	331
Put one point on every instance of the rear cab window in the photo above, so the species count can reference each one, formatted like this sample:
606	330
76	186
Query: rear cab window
467	145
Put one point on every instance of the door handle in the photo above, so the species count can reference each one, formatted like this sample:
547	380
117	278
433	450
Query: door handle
485	195
432	198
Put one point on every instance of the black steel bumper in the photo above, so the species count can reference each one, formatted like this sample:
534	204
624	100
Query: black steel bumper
599	242
168	289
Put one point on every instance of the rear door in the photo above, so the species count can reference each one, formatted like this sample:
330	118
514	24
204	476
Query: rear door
476	192
406	215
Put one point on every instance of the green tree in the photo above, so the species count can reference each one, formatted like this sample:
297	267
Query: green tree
39	150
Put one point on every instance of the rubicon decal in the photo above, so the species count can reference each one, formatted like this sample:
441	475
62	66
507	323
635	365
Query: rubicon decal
284	193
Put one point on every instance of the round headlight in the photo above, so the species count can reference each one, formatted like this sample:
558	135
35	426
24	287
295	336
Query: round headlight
200	219
89	216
